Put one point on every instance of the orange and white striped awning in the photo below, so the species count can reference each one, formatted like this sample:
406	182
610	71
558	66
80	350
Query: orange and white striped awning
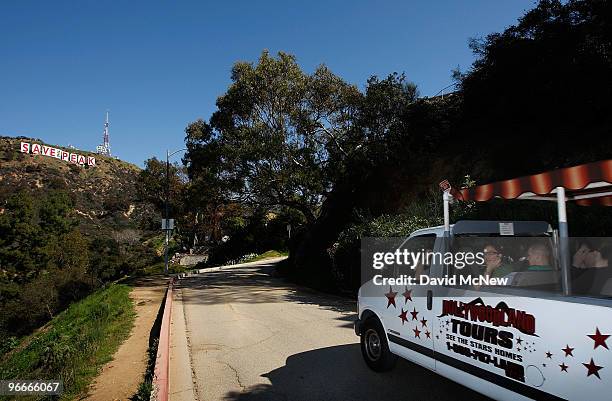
586	184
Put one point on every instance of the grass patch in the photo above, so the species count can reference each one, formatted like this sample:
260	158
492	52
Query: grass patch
267	255
75	344
146	386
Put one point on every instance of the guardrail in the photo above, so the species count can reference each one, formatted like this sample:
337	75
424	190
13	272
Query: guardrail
162	360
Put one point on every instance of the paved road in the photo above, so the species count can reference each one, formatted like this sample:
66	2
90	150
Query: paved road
241	334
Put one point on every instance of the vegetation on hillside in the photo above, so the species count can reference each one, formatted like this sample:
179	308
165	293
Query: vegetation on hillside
75	344
64	231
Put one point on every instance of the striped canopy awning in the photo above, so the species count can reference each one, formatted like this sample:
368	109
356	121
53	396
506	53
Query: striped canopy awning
586	184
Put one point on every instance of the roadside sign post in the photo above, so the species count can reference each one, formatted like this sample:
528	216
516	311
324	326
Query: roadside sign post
167	227
169	222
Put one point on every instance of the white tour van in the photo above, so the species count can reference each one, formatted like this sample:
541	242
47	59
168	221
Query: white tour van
543	335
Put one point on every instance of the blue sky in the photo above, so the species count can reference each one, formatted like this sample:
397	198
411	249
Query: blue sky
157	65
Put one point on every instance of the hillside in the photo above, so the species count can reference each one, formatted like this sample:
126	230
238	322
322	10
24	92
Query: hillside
105	196
65	231
74	344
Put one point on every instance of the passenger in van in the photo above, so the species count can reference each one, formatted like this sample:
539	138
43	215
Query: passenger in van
591	268
599	257
538	258
579	258
494	262
592	256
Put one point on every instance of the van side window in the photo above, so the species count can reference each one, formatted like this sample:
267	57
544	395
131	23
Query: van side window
517	262
591	273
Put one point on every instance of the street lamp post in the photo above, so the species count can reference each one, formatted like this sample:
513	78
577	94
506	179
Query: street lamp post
167	207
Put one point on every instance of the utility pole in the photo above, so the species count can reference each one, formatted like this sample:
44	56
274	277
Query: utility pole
166	221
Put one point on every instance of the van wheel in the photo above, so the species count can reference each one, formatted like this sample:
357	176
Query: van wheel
374	347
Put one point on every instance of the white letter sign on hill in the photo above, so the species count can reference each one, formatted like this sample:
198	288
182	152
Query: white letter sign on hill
37	149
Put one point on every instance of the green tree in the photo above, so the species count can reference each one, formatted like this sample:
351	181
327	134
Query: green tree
69	252
282	138
403	143
20	237
43	260
152	183
279	137
54	212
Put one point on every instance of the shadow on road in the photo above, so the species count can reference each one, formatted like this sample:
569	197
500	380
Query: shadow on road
339	373
257	285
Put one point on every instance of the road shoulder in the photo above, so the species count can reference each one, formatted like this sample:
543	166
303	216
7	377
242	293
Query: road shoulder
119	379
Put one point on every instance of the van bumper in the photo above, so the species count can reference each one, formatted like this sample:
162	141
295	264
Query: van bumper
357	326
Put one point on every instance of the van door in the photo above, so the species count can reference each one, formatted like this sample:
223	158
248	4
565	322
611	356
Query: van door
407	319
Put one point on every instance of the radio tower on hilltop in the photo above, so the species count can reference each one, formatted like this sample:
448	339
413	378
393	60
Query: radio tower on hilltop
105	149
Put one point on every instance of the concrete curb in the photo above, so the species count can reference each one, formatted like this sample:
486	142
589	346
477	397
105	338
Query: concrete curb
182	381
162	360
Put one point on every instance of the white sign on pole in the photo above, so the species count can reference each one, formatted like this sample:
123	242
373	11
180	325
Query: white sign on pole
167	224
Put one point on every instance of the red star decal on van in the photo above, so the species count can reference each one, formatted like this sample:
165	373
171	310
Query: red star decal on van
568	350
417	333
391	297
427	333
414	314
600	339
407	295
403	316
592	369
424	322
549	355
563	367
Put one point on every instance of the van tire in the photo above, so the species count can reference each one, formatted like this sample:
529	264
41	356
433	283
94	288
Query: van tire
375	348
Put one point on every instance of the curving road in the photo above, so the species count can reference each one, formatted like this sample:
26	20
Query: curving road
241	334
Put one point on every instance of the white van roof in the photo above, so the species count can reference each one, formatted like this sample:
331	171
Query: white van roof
489	227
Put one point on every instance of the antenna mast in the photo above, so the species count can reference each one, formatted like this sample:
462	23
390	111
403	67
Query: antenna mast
105	149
